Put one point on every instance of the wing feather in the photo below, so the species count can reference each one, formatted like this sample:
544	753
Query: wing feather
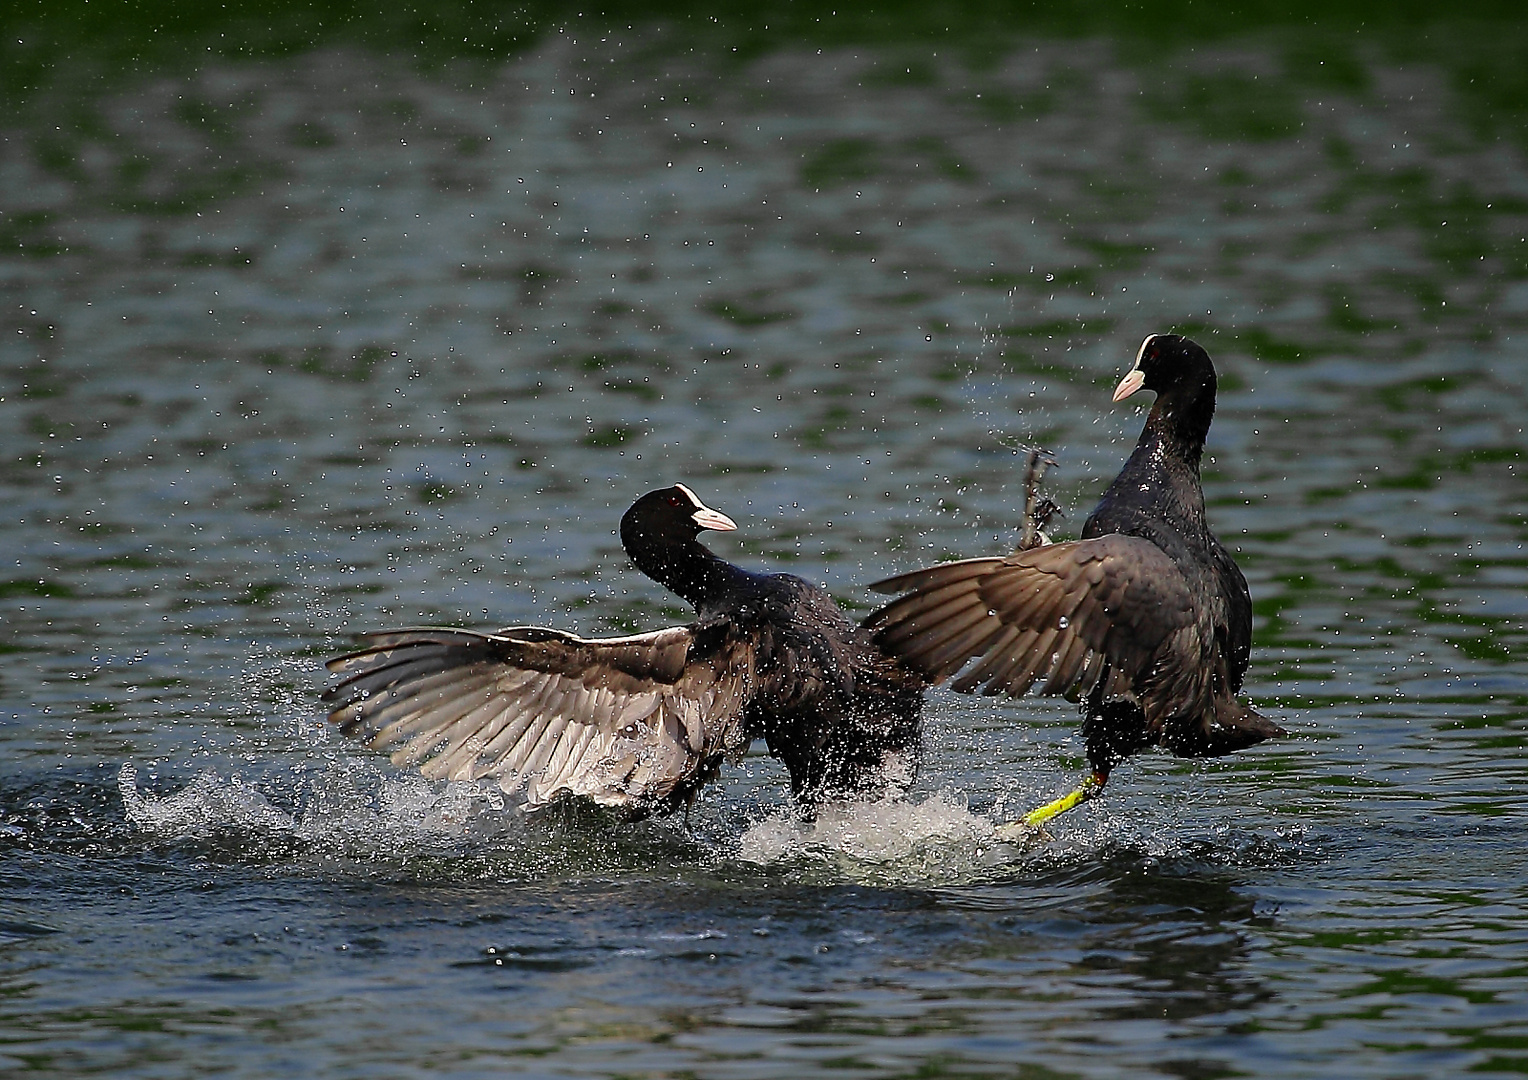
401	718
632	721
997	654
1073	614
455	740
1009	662
978	636
935	577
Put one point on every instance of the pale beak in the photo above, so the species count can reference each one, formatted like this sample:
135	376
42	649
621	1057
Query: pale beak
707	518
1130	384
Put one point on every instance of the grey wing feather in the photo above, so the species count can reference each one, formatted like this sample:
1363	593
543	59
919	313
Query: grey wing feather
629	721
1070	614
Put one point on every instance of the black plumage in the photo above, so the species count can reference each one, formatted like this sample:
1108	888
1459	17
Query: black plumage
1146	618
641	722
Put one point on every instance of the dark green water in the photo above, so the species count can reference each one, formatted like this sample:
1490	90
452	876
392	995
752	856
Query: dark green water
328	324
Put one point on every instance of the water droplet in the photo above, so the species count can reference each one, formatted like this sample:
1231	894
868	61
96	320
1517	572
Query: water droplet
1064	622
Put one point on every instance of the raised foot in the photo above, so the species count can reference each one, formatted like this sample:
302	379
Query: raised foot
1038	510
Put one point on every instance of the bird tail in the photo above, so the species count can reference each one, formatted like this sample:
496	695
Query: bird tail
1231	726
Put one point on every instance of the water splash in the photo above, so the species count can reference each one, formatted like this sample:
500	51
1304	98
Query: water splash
208	804
938	838
351	818
336	805
370	819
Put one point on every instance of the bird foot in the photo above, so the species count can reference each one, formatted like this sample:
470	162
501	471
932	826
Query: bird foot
1030	824
1038	510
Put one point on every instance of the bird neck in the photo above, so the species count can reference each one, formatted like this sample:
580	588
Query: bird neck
1158	491
1179	423
684	567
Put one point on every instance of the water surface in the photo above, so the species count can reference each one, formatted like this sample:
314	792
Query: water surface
325	340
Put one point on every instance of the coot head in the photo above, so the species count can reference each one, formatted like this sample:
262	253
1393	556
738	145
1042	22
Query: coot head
1184	380
1167	363
670	515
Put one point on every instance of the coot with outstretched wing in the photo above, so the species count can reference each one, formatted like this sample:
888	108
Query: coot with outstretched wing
641	722
1146	617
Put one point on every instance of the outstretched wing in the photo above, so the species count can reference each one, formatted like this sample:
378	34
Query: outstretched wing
632	721
1074	614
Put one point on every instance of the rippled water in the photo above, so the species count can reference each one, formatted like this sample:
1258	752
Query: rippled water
324	342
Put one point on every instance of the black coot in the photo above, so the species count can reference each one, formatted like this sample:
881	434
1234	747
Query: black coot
1146	617
641	722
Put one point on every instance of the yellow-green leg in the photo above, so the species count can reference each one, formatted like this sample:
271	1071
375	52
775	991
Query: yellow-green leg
1026	826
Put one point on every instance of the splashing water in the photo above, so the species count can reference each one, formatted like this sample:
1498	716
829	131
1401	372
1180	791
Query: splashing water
336	806
207	804
938	837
